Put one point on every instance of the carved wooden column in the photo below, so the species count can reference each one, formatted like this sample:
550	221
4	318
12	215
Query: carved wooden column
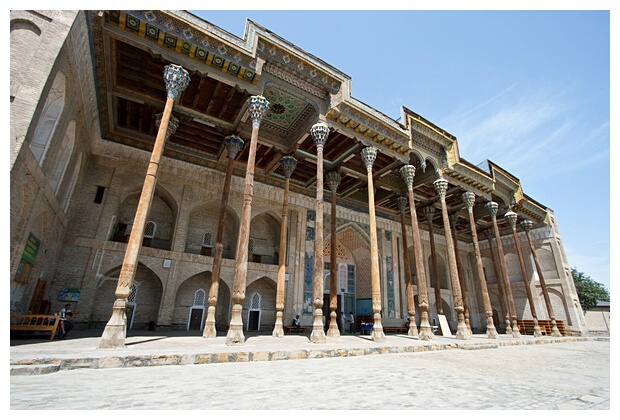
527	225
257	107
369	154
426	332
460	271
429	212
469	198
491	207
413	330
500	287
512	219
319	132
288	164
333	180
115	332
233	145
462	333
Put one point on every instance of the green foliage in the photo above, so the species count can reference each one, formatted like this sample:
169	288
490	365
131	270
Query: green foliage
589	291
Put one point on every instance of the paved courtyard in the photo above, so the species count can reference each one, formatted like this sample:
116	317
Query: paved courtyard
553	376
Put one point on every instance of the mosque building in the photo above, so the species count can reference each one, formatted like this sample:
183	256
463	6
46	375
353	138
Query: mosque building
167	175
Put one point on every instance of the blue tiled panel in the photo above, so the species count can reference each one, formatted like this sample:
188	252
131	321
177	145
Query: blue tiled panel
308	270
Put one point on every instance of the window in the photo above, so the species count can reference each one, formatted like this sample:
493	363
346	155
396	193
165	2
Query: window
48	120
149	231
99	195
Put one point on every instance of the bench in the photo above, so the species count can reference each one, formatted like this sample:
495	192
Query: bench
526	326
395	330
293	329
35	322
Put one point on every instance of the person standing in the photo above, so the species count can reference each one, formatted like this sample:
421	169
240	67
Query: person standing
343	321
352	323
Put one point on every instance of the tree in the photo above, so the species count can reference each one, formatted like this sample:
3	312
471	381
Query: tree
589	291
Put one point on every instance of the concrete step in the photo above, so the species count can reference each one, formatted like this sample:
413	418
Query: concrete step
34	369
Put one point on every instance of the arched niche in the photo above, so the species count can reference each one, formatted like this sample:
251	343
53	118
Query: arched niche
146	298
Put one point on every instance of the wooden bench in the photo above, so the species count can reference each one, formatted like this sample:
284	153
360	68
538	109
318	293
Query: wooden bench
395	330
293	329
35	322
526	326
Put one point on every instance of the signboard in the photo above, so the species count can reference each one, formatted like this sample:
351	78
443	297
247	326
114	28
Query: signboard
67	294
31	249
443	326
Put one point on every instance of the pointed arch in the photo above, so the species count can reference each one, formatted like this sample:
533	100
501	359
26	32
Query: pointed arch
58	173
48	121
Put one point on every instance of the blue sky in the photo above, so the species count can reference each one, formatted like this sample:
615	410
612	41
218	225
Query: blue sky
528	90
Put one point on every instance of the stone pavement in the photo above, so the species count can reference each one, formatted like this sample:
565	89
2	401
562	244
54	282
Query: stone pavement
189	372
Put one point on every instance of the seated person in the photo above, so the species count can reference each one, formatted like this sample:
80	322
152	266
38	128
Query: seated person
65	325
296	322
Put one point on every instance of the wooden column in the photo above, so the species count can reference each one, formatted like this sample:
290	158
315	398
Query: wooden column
115	332
257	107
369	154
288	164
469	199
333	180
462	333
429	212
319	132
413	330
491	207
233	145
527	225
512	220
500	287
460	271
426	332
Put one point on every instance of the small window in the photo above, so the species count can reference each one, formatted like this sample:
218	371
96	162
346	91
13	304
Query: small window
99	195
149	231
207	239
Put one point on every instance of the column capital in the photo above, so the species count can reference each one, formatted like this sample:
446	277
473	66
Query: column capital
469	198
176	79
491	208
527	225
408	174
288	164
402	204
429	212
333	179
319	133
234	144
173	124
441	186
369	154
511	216
258	107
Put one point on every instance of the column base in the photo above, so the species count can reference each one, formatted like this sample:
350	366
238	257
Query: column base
209	330
413	330
491	330
115	331
462	333
426	332
333	330
377	329
235	336
537	331
515	329
508	329
317	335
278	331
554	329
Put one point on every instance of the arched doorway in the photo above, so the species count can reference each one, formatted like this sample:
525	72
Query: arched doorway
254	312
197	312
